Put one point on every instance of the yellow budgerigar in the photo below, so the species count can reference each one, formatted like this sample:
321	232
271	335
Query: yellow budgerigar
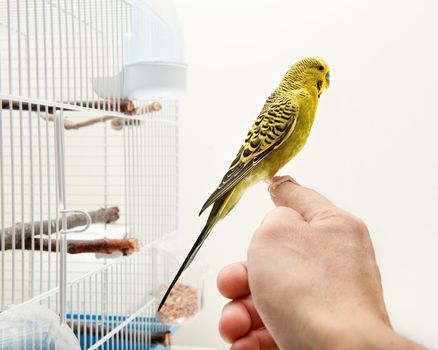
277	135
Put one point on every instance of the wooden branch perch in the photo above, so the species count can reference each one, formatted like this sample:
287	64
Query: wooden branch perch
116	123
126	106
69	125
103	215
155	338
126	246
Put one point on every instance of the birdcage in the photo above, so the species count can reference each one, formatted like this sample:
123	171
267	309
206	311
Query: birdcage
88	169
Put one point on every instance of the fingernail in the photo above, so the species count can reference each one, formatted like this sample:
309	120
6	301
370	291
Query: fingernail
295	181
271	192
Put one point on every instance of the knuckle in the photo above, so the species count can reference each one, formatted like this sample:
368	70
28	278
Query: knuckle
272	219
325	214
281	223
273	224
354	226
360	226
267	231
343	223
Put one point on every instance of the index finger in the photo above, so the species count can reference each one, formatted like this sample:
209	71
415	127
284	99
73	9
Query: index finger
309	203
232	281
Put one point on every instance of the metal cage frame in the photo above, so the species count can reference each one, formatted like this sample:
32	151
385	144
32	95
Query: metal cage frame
57	134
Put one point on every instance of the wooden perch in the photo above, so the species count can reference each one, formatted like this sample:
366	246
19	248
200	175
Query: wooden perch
126	246
119	123
103	215
69	125
126	106
99	330
116	123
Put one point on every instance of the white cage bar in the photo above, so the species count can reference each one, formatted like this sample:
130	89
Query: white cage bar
64	147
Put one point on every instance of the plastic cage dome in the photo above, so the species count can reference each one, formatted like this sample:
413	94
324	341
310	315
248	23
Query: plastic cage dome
153	63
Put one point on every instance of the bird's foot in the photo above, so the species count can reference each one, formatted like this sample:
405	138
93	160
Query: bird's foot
278	180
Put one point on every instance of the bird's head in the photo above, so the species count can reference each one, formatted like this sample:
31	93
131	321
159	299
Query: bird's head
311	72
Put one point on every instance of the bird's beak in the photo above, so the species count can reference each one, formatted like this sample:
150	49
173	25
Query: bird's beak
327	79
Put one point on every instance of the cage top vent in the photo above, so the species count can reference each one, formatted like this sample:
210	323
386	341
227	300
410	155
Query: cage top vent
153	63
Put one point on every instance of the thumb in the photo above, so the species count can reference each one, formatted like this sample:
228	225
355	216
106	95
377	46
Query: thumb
305	201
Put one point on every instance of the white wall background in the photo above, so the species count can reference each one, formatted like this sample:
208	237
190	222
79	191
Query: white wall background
373	148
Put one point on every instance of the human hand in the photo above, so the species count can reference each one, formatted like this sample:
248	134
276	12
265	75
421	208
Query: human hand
311	282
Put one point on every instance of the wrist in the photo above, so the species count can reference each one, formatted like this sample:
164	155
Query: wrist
371	334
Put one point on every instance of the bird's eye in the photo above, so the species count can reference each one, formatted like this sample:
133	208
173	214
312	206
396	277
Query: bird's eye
319	85
321	68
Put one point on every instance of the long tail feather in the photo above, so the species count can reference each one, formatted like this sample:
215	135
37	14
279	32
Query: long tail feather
187	261
220	209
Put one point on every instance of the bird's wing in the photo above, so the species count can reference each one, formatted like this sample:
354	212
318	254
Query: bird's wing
270	129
